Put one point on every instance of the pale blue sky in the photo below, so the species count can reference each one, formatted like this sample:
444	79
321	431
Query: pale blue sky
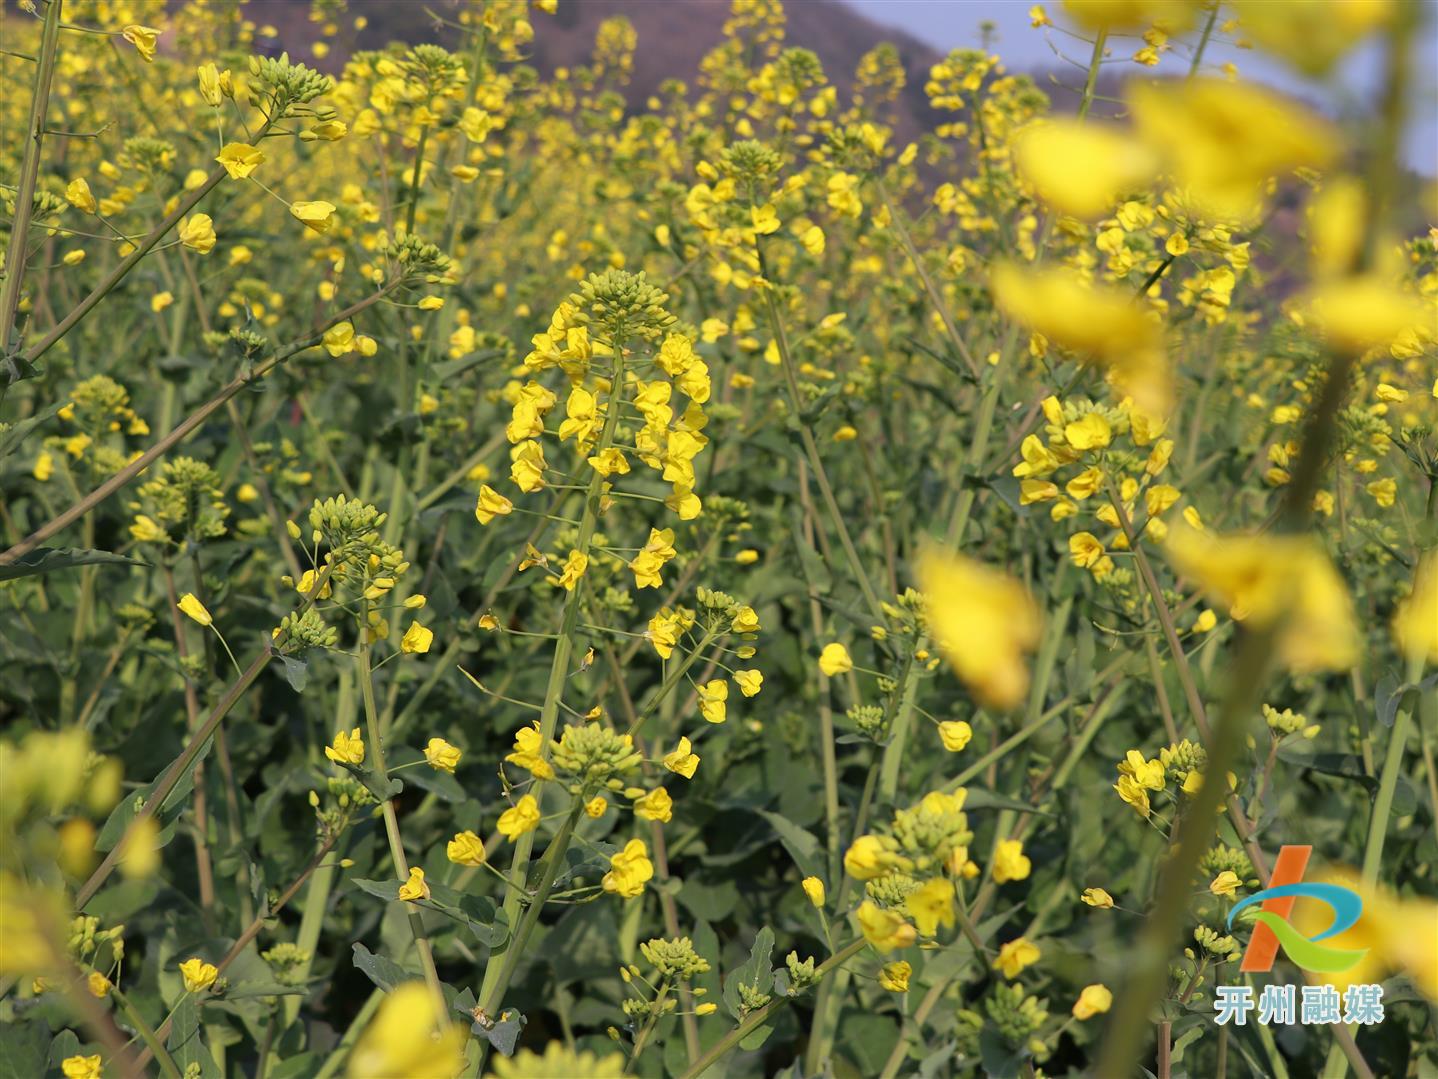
950	24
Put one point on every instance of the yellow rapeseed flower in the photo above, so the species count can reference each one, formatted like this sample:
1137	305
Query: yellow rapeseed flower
984	621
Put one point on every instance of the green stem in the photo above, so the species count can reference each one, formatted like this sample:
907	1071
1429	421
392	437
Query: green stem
811	451
15	255
559	666
146	1032
755	1019
180	432
391	821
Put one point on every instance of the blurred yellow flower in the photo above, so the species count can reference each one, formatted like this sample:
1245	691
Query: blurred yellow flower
1093	1000
1015	955
884	929
984	621
1081	168
1224	140
402	1039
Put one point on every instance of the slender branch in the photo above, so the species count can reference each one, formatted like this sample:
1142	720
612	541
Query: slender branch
180	432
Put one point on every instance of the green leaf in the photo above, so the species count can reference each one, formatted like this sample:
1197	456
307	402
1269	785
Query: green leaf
13	436
297	672
23	1050
385	973
757	972
50	559
185	1043
979	798
816	573
802	846
384	889
503	1035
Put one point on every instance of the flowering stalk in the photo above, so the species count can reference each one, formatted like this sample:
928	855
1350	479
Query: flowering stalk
391	819
558	673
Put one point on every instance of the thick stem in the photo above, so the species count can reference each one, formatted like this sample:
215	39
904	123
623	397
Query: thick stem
391	824
15	254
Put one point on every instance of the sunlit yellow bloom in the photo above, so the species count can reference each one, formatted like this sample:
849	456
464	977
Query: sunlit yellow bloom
1010	862
197	232
629	870
440	755
318	215
347	748
895	976
416	639
465	848
415	887
1097	897
835	660
195	609
749	682
240	159
491	504
339	339
573	570
519	818
814	889
198	974
681	760
932	905
144	38
884	929
955	734
656	805
78	1067
1015	955
78	194
745	621
1226	883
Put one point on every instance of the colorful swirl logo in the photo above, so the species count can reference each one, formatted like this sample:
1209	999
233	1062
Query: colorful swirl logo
1273	929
